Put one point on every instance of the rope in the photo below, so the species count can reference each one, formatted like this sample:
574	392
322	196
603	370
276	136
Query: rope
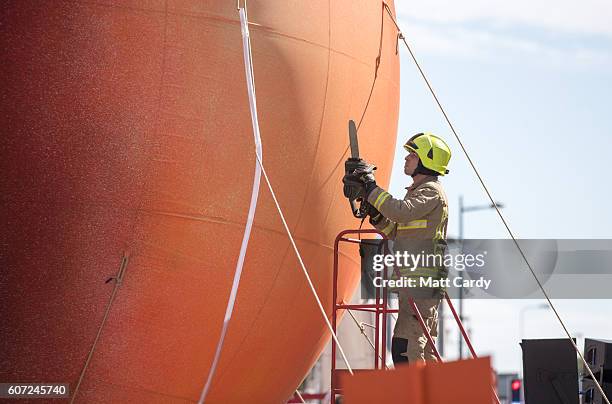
304	270
253	104
501	216
367	104
300	396
362	328
229	310
380	42
118	280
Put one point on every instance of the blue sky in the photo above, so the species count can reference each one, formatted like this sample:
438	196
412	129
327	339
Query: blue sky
528	87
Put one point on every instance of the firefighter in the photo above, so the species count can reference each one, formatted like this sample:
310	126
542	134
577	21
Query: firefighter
417	225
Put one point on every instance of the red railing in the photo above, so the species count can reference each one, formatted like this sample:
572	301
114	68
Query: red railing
380	309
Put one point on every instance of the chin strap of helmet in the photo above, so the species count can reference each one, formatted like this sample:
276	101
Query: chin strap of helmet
421	169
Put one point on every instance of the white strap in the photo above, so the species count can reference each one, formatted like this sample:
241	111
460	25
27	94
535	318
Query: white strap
254	194
246	45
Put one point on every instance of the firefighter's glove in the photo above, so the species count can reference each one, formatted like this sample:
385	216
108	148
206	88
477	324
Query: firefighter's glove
351	164
354	188
366	175
359	178
358	186
375	216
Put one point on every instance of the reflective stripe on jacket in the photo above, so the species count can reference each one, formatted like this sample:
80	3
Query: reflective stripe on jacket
417	223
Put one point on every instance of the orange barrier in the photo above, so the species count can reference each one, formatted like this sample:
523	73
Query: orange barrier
380	309
462	382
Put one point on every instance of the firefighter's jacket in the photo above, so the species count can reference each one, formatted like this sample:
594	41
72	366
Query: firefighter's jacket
417	224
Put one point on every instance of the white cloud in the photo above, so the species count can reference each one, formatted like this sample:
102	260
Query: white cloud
462	41
582	17
496	30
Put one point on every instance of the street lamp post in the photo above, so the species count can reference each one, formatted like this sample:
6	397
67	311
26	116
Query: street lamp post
541	306
464	209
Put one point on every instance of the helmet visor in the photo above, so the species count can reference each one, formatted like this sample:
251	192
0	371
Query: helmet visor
410	145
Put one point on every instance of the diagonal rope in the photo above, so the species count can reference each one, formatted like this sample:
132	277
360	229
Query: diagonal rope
362	328
501	216
372	86
378	58
250	78
118	281
300	396
299	257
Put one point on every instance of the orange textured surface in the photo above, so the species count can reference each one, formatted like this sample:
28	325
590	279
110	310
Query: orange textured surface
460	382
402	385
127	132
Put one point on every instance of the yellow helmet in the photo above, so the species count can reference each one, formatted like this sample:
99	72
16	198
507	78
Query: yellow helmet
432	150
